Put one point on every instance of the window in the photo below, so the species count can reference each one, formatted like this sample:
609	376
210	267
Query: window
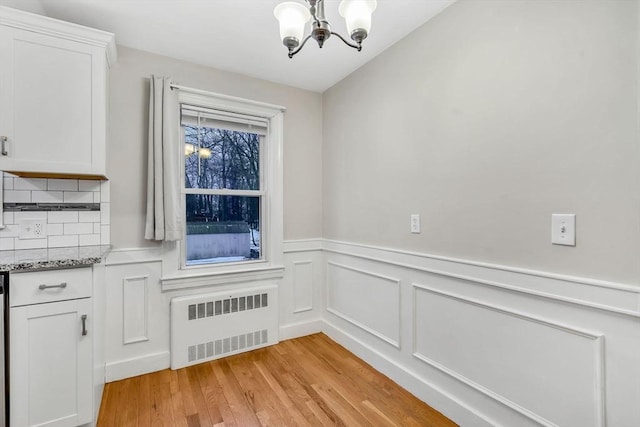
223	192
231	184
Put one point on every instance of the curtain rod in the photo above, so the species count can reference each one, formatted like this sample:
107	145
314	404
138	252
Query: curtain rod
227	97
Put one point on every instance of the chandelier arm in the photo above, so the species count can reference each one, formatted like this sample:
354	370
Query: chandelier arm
293	52
357	46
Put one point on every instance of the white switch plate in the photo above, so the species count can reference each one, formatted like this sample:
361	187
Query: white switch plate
415	223
563	229
32	229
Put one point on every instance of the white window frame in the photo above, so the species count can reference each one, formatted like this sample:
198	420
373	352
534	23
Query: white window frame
178	276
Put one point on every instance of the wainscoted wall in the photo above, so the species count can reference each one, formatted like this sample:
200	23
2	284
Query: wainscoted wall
489	345
485	344
137	336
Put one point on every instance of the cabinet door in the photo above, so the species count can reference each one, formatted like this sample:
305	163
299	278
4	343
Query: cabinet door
54	95
50	364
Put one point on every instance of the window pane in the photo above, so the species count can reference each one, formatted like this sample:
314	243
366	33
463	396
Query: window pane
222	228
219	158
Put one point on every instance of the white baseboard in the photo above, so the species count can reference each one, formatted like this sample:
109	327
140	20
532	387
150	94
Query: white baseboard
137	366
300	329
433	396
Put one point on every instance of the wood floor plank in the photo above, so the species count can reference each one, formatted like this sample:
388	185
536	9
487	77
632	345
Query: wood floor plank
309	381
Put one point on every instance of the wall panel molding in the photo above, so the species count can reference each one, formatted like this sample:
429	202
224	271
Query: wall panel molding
595	294
395	315
596	338
302	276
135	310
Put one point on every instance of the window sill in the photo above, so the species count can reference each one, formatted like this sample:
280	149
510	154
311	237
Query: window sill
203	279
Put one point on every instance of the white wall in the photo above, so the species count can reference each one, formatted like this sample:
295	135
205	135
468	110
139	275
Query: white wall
485	121
128	123
33	6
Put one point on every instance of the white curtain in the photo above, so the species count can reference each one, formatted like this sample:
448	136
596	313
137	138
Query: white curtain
164	217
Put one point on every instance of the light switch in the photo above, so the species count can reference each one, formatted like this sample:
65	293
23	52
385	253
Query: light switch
563	229
415	223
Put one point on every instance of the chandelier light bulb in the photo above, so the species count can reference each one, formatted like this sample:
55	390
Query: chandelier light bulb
357	14
292	17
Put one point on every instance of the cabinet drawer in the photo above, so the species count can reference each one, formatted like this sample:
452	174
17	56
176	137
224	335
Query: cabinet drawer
50	285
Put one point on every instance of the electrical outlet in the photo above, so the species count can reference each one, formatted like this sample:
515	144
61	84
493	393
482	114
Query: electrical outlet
415	223
32	229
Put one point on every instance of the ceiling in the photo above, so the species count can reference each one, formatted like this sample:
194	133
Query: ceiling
242	35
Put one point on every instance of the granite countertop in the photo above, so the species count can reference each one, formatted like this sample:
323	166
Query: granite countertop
40	259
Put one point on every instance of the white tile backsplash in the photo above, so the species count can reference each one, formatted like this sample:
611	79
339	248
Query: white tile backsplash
19	216
105	215
64	228
6	244
46	196
55	229
30	243
17	196
62	216
89	239
7	218
63	184
89	216
78	228
7	182
88	185
30	184
78	197
63	241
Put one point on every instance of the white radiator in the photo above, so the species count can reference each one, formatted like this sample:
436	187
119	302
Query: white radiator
211	326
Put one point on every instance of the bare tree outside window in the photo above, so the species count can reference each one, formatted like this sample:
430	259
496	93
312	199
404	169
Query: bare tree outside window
222	226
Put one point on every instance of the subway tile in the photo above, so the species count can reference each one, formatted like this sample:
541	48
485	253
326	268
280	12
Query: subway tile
96	227
62	216
7	182
30	243
6	243
88	185
63	241
11	230
30	184
78	228
96	197
19	216
89	239
7	218
55	229
105	213
46	196
62	184
78	197
17	196
105	189
105	235
89	216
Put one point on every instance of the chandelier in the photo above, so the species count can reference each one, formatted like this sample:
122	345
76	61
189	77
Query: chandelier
293	17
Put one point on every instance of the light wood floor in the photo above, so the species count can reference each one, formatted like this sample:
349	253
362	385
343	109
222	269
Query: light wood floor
301	382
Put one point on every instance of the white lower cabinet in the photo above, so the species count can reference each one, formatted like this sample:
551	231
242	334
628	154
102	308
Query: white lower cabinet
50	354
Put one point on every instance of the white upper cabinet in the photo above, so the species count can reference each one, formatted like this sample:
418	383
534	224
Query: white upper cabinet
53	96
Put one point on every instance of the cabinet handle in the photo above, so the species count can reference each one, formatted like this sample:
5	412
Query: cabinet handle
84	324
61	286
3	150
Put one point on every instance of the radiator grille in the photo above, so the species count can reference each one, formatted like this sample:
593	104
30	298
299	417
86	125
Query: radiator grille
209	326
227	345
227	306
